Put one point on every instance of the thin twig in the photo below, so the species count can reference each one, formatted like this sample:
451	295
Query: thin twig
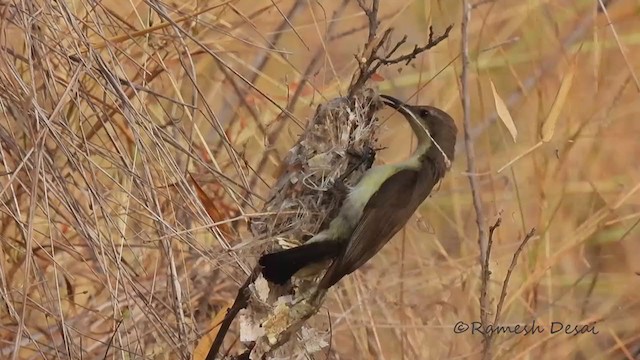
546	67
417	49
372	14
489	336
369	61
468	141
514	261
483	240
241	302
373	61
484	291
603	9
280	122
229	109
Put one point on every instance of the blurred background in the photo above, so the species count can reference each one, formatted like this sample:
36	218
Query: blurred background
139	138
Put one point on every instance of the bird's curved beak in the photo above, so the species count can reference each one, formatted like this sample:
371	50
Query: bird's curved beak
391	101
396	104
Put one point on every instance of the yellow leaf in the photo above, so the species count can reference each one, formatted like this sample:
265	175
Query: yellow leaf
503	113
549	125
202	349
520	156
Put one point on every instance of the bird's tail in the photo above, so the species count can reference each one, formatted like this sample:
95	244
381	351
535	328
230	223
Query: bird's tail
278	267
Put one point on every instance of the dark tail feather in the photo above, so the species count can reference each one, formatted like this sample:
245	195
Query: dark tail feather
278	267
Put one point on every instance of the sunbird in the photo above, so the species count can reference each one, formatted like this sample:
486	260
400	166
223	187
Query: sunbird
378	206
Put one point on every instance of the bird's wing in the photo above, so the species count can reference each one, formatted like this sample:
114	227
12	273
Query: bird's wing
383	216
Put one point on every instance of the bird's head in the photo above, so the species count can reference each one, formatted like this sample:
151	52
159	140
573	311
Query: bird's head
429	124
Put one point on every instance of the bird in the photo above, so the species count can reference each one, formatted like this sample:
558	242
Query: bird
378	206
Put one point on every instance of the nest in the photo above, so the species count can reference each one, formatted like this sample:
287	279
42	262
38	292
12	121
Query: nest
336	148
333	153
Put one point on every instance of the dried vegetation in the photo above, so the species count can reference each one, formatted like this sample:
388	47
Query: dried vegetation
141	143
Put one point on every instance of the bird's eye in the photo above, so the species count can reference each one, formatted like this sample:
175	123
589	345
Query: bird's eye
425	112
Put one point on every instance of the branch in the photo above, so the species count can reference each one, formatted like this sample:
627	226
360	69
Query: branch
369	61
417	50
241	302
489	336
483	240
514	261
372	62
372	14
484	291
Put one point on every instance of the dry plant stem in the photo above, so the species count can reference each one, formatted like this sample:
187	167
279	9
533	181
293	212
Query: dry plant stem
433	41
514	261
630	66
259	63
370	61
372	15
279	121
373	62
468	141
159	11
471	162
488	337
64	100
545	68
483	241
484	292
241	301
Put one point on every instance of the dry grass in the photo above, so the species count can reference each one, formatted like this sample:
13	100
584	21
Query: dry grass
113	111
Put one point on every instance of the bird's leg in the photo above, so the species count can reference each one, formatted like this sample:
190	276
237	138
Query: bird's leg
340	188
366	158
